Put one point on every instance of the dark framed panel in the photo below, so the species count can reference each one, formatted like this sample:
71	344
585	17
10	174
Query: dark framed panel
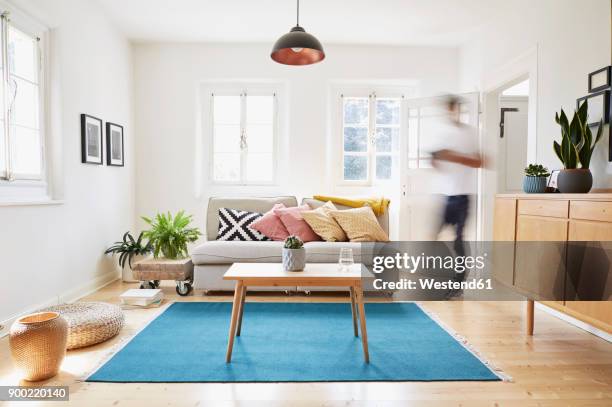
600	79
91	140
115	154
599	107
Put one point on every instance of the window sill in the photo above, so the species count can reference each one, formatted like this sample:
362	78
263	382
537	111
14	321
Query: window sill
41	202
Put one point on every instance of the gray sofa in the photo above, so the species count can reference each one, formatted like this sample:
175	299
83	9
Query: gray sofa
212	258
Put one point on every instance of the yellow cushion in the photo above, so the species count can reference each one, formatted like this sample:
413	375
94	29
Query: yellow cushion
360	225
324	224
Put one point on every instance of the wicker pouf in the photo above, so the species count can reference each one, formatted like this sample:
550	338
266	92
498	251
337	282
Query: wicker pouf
89	322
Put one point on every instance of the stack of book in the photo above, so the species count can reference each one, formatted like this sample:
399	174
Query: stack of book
142	297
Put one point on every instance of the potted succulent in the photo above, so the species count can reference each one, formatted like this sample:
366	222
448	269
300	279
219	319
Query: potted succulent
575	151
535	179
169	235
129	250
294	254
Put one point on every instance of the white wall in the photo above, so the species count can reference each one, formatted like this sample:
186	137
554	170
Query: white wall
54	252
166	81
572	39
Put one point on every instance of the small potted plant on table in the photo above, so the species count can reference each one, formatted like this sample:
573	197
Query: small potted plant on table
535	179
294	254
575	151
129	251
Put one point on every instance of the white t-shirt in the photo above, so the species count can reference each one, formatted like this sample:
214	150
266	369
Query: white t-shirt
457	179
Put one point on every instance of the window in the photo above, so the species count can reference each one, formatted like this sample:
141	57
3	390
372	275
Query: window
371	128
244	126
21	143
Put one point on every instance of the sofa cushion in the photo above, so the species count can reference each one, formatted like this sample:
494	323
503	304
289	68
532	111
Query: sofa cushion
271	225
260	205
224	252
323	224
360	225
235	224
295	223
383	220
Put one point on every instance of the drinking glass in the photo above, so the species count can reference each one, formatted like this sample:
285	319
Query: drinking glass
346	257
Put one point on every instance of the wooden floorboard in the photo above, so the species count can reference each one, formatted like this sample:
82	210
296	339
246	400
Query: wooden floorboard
560	365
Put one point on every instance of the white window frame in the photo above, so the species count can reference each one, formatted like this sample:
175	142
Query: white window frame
372	93
244	90
15	188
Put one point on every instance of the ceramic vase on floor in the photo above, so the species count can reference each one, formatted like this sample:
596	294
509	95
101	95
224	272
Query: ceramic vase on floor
38	344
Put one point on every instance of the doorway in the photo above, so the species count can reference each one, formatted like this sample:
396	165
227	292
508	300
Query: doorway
513	136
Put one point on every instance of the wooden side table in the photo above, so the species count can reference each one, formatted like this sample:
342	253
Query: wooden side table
150	271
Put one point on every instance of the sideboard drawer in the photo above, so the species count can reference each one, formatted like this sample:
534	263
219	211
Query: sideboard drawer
591	210
543	207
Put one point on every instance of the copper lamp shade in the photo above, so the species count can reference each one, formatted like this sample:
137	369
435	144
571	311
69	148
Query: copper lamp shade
297	47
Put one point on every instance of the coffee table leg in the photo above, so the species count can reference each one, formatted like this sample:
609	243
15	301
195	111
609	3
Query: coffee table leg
354	311
362	320
232	330
242	298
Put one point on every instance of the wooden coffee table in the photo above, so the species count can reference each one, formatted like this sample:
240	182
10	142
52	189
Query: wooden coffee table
314	275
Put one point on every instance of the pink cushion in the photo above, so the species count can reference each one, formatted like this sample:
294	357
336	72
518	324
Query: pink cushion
270	224
295	223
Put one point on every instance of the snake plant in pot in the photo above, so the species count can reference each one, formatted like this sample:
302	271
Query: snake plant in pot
535	179
575	151
294	254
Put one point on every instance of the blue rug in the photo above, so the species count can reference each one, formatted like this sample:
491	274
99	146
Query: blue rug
292	342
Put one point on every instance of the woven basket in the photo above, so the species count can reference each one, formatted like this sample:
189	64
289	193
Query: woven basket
38	344
90	322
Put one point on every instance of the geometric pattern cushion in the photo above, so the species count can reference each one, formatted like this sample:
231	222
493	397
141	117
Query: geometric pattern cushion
360	225
235	224
323	224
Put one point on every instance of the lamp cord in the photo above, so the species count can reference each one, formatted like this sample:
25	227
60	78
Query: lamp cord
298	13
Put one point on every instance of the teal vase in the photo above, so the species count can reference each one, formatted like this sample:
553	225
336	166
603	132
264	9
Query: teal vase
534	185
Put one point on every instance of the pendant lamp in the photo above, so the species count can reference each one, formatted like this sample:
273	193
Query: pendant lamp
297	47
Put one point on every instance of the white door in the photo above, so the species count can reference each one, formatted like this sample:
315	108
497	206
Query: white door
423	187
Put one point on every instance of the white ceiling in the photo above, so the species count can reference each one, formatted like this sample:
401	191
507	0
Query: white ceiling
393	22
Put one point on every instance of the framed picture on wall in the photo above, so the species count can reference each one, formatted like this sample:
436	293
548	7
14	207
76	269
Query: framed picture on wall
114	145
91	139
599	107
600	79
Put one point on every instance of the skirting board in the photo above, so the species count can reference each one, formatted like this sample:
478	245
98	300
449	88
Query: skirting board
68	296
576	322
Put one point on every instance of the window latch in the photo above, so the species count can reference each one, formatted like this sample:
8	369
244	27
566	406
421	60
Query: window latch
243	140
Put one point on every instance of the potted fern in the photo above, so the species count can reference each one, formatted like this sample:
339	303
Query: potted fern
575	151
294	254
169	235
535	179
129	250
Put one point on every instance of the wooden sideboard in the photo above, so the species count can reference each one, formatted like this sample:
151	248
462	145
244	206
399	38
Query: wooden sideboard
555	218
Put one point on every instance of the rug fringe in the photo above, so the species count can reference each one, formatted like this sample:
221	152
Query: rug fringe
122	344
468	346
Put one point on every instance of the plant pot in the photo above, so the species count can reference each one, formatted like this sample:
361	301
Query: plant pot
534	185
294	259
127	274
38	344
575	181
